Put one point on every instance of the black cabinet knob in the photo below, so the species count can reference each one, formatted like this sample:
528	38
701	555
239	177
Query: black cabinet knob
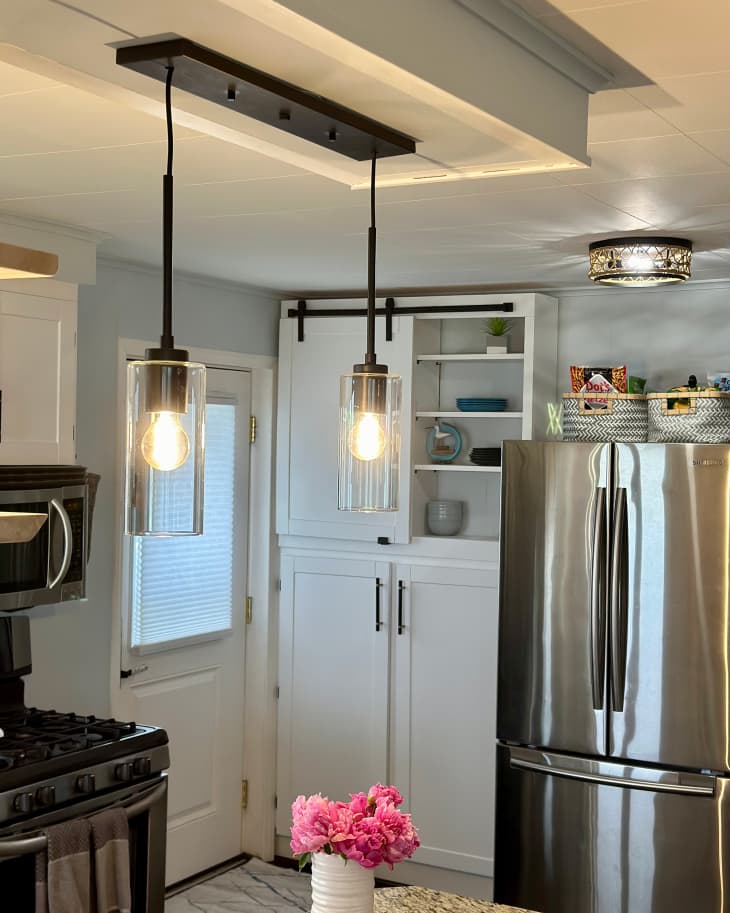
23	803
46	795
142	767
123	772
86	783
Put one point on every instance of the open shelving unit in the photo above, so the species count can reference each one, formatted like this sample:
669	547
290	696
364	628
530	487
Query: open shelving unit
447	364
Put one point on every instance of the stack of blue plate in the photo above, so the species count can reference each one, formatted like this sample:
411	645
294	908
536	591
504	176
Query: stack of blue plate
481	404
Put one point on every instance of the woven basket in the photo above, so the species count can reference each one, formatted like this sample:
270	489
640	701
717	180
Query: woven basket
597	418
689	418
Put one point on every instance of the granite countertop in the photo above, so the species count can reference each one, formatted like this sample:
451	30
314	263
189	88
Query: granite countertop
423	900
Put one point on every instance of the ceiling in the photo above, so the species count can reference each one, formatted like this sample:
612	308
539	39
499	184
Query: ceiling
82	144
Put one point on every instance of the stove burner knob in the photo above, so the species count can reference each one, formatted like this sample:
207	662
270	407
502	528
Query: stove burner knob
46	795
23	803
123	772
86	783
142	767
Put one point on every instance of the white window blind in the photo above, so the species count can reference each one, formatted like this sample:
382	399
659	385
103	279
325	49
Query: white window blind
182	588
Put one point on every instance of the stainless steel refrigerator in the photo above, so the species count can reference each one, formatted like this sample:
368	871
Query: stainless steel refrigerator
613	723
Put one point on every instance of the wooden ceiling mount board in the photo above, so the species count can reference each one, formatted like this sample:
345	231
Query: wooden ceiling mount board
25	263
266	98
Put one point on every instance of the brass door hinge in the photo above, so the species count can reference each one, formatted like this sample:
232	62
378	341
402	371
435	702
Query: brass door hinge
249	610
252	429
244	794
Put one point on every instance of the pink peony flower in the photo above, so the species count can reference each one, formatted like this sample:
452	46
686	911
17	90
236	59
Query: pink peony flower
378	791
310	825
369	829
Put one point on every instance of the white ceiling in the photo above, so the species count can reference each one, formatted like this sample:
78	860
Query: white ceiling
78	147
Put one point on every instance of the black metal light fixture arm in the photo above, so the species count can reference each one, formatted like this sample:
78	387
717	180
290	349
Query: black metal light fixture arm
167	340
370	357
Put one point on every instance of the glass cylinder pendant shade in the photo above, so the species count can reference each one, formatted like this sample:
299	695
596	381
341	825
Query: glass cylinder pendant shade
369	442
165	448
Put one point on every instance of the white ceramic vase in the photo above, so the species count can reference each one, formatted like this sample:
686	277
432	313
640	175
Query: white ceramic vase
341	885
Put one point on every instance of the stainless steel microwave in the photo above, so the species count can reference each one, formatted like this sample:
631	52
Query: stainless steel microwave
51	567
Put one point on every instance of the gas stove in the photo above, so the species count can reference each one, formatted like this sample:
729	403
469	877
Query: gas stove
50	759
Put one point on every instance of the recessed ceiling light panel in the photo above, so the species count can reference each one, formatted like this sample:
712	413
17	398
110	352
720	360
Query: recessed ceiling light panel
633	262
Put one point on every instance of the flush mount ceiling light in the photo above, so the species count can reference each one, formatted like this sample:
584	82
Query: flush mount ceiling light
369	443
632	262
165	412
25	263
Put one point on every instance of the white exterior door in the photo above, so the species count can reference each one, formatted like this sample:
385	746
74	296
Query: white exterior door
444	704
333	679
184	627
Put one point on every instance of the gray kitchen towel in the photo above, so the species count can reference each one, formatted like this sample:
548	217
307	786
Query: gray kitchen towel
67	870
110	842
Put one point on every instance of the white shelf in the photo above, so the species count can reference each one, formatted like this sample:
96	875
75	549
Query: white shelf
476	356
450	467
468	415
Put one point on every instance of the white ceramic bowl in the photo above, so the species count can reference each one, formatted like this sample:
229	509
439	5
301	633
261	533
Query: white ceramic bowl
444	518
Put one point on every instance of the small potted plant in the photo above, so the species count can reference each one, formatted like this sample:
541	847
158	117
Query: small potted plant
497	330
345	841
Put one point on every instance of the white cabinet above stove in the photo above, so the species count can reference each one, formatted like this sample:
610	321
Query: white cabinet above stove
37	372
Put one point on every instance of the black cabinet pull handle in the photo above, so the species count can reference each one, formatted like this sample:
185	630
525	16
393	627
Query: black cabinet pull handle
401	588
378	621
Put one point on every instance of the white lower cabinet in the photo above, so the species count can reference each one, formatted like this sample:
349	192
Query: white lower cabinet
333	679
412	703
444	711
37	378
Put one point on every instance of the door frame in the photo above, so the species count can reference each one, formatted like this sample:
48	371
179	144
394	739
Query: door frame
259	712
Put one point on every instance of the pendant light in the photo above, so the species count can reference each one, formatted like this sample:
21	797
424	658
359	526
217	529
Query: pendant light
369	429
642	261
165	413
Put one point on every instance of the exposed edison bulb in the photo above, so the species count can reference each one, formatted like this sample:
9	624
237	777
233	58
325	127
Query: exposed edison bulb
165	445
367	440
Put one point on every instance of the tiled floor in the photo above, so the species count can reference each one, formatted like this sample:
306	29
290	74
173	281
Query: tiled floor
254	887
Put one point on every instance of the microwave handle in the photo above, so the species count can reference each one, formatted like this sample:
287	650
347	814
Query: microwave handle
67	543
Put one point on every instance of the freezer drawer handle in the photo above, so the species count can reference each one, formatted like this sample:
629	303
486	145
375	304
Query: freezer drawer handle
606	780
619	594
31	845
598	608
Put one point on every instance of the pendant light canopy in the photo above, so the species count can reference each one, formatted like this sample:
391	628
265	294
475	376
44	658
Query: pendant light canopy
370	408
165	413
632	262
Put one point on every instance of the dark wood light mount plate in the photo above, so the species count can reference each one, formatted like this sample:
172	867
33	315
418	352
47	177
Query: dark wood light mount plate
272	101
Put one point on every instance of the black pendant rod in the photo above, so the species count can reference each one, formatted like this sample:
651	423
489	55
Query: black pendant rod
167	340
370	357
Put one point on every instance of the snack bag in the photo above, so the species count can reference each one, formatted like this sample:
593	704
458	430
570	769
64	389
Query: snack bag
597	380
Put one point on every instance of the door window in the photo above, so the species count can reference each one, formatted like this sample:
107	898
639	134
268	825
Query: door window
182	587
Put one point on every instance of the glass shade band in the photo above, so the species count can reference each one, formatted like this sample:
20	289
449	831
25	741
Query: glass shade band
640	261
165	448
369	442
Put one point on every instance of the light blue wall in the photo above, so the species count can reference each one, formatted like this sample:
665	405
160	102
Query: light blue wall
71	642
663	335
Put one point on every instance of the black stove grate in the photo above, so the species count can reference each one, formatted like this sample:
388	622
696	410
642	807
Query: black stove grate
44	734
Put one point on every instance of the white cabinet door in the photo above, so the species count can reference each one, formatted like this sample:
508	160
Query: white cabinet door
333	679
444	711
37	379
308	409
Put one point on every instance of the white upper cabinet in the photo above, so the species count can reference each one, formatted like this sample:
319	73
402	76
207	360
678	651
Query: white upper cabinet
38	375
308	415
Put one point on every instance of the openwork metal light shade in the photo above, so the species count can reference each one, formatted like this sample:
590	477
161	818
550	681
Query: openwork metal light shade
165	448
632	262
369	442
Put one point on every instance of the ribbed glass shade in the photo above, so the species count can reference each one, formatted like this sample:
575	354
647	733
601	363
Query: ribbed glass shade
165	448
369	442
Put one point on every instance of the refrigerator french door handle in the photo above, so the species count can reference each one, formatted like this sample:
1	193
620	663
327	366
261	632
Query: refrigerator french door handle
619	594
539	766
598	608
